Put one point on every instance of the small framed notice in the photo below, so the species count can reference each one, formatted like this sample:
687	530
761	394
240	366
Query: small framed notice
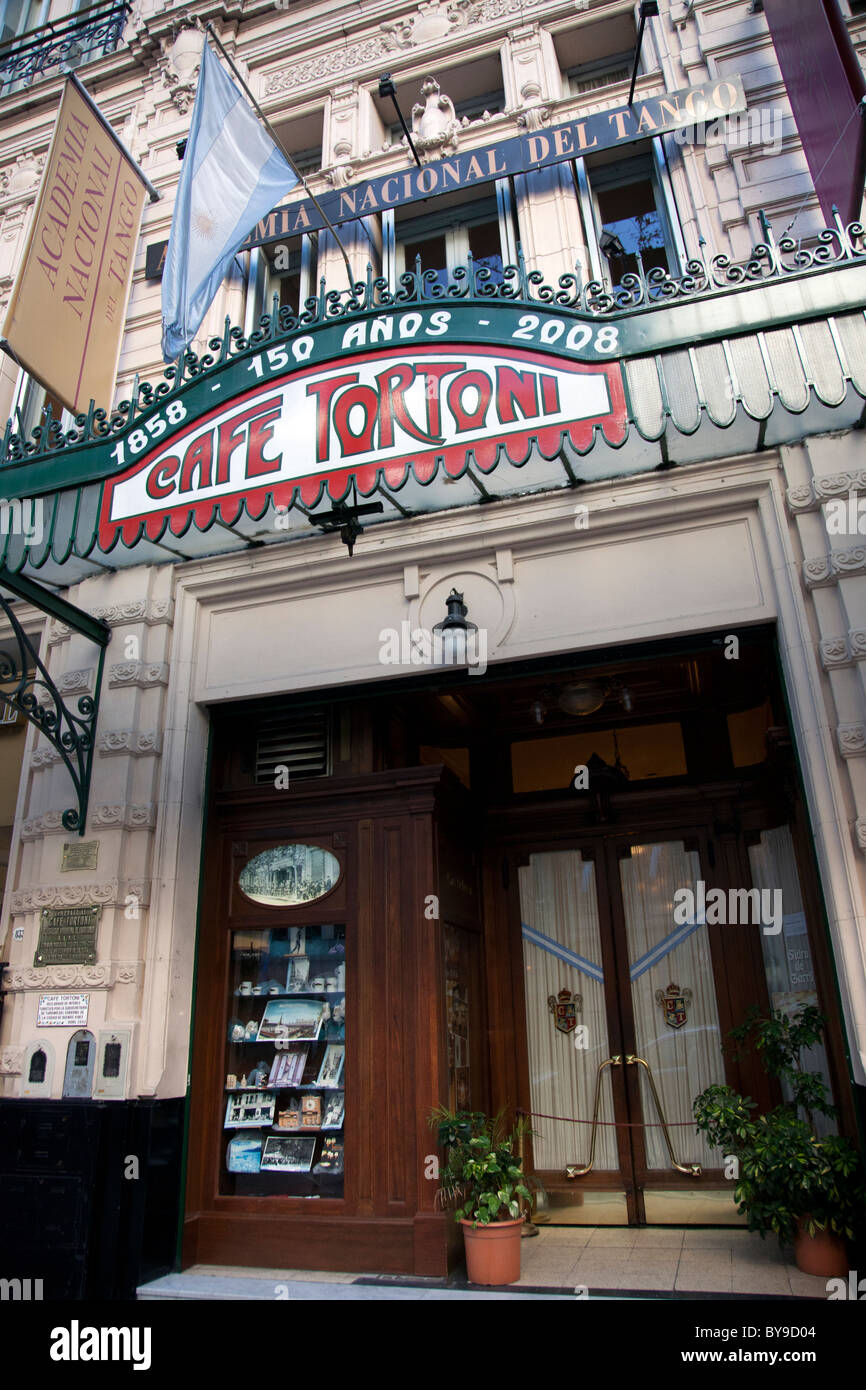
79	854
62	1010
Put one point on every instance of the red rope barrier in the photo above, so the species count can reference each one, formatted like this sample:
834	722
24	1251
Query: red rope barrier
613	1124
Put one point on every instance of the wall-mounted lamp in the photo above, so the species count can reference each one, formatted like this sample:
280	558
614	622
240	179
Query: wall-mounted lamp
649	10
387	89
611	245
451	637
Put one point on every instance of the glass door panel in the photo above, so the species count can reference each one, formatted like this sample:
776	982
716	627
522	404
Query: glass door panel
567	1037
791	982
676	1022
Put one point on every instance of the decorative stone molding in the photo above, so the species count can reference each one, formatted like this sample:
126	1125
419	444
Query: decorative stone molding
22	979
182	61
142	817
111	893
435	127
808	497
57	632
327	65
852	740
49	823
844	651
535	113
829	569
835	653
860	833
11	1061
76	682
131	742
44	757
105	894
141	673
118	614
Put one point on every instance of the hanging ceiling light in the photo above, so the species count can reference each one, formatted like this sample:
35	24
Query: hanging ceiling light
583	697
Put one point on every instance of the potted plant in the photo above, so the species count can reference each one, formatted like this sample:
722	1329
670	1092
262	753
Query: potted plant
483	1180
807	1189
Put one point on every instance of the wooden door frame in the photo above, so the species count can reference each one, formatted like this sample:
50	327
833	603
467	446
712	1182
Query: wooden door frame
719	814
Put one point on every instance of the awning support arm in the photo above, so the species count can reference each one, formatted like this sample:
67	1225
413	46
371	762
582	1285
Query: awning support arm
36	695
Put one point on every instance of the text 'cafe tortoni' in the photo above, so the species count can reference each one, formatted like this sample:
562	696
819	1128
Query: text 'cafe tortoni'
337	889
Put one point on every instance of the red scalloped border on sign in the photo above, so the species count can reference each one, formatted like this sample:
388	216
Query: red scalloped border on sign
454	458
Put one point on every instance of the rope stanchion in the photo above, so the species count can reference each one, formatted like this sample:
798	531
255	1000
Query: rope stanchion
614	1124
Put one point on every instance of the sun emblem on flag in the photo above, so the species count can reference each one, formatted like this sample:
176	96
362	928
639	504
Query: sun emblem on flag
204	224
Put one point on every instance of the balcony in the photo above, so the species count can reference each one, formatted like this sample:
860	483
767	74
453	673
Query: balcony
78	39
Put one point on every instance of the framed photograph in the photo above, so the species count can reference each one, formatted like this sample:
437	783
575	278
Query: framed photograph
251	1109
331	1069
297	941
291	1020
244	1154
334	1111
284	1153
288	1067
298	977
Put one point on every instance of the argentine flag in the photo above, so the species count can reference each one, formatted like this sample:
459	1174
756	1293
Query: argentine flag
232	175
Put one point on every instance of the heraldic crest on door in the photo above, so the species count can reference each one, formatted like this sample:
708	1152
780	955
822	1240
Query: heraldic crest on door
565	1007
674	1004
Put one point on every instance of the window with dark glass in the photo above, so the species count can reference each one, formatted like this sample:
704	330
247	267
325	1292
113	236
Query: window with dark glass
631	218
444	239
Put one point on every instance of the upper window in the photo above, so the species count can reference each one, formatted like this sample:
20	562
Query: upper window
444	239
630	217
587	77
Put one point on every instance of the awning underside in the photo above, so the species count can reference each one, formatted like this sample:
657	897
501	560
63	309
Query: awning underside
716	400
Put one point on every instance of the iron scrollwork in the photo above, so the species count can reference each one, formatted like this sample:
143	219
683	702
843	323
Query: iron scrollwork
37	697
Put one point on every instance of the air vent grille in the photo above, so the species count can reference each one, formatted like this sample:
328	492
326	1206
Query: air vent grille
301	742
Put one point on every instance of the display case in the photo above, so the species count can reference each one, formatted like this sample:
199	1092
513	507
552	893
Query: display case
285	1052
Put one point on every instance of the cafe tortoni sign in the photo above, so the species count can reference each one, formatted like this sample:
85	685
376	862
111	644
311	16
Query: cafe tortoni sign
394	393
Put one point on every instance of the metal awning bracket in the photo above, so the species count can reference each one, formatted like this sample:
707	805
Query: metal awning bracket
36	695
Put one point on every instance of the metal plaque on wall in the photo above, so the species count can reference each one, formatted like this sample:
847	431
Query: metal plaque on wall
80	854
67	936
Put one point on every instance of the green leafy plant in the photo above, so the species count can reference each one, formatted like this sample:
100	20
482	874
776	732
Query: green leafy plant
482	1177
787	1174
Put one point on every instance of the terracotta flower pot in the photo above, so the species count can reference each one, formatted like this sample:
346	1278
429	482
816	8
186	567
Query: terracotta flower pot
823	1253
493	1252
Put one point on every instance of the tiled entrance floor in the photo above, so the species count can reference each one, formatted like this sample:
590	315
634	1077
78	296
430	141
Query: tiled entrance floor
656	1260
682	1260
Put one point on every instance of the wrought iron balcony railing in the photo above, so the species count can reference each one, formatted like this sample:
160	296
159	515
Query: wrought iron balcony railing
77	39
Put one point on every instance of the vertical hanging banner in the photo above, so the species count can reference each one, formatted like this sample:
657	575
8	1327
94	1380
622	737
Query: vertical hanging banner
825	86
68	306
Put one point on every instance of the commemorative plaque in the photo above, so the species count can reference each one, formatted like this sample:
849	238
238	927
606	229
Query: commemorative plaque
67	936
80	854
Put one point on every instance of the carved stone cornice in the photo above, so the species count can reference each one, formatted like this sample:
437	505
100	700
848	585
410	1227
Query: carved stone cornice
141	673
852	740
110	893
837	652
132	742
826	570
140	817
808	497
860	833
26	978
42	895
153	612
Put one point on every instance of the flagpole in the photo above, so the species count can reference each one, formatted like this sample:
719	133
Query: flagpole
283	151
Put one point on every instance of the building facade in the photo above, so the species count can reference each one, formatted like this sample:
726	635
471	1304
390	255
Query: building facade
601	372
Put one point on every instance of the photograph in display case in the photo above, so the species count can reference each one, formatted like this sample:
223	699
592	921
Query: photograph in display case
334	1111
298	977
250	1109
288	1067
331	1069
296	1020
244	1154
288	1154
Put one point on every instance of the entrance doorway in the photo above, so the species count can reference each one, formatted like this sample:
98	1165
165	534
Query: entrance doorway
640	952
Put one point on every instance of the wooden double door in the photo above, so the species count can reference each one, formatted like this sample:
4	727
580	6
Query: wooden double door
639	949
